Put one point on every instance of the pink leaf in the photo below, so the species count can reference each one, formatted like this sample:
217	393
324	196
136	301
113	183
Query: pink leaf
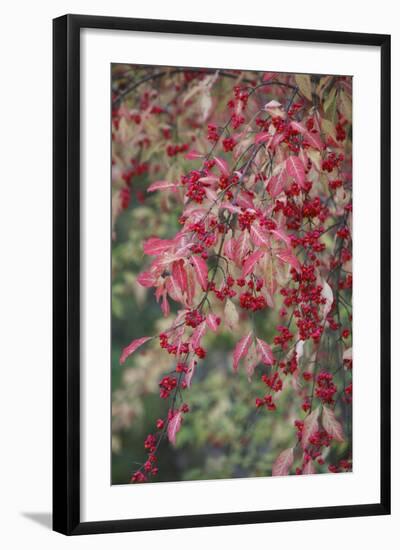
161	185
295	169
286	256
269	76
201	271
231	208
198	334
229	249
133	346
277	183
314	141
258	235
282	235
310	426
283	463
209	179
276	140
174	426
146	279
331	425
211	194
173	289
222	166
309	468
267	357
251	361
262	137
192	155
155	246
251	261
190	372
245	200
298	127
241	349
179	275
242	246
165	305
213	321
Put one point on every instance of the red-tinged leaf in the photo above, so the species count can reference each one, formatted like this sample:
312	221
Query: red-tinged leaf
295	169
198	334
173	289
146	279
251	261
160	186
269	76
201	271
242	246
258	235
251	361
174	425
190	372
314	141
282	465
179	275
211	194
331	424
229	249
192	155
276	184
276	140
269	271
309	468
281	234
288	257
262	137
267	357
191	289
241	349
245	200
222	166
155	246
230	207
310	427
133	346
209	179
298	127
268	296
165	305
213	321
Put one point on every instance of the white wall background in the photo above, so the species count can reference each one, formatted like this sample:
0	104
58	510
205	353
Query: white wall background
25	272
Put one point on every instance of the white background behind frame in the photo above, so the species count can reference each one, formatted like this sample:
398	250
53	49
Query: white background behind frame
99	500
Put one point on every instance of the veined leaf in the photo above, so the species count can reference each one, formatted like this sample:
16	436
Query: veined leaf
133	346
283	463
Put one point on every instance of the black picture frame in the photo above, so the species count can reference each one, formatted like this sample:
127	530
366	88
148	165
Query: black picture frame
66	273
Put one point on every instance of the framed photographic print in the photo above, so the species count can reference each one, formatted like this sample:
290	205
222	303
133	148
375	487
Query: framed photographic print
221	274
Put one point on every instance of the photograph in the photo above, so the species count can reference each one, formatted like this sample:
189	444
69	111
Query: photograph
231	270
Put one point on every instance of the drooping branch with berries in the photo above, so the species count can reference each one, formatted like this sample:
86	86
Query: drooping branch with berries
257	168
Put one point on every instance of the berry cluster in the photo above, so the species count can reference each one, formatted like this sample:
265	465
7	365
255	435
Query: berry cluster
325	387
